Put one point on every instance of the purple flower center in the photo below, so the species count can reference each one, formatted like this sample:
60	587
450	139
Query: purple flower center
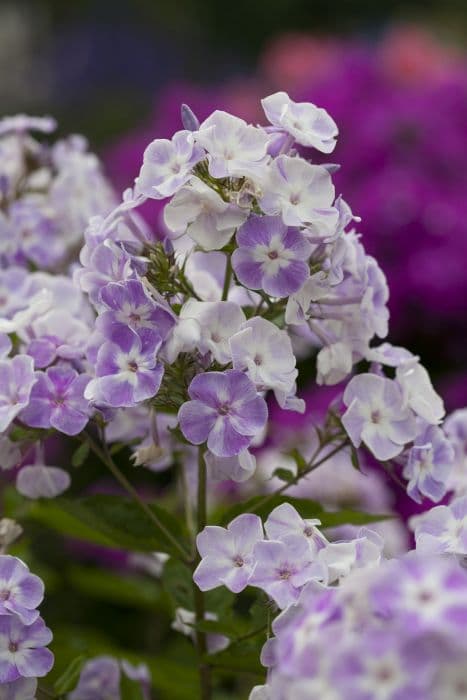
425	596
215	337
5	594
13	647
375	416
258	360
284	574
224	409
294	198
385	674
273	255
238	561
132	366
134	317
308	531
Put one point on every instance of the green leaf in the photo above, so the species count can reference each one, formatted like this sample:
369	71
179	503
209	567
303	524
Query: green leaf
177	581
284	474
119	589
263	505
18	433
80	455
299	459
354	458
242	657
69	678
130	690
114	521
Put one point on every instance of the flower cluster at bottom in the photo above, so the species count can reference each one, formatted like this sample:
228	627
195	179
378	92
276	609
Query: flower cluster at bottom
23	634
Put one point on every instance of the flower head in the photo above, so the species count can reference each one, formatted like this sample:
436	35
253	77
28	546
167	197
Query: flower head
23	652
20	591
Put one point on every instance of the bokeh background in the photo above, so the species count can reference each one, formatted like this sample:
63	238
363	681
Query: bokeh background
392	73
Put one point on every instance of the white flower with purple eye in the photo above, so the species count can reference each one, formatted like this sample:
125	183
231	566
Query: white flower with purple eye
340	558
442	529
271	256
284	521
227	554
418	391
22	689
225	411
16	381
41	481
203	215
429	465
309	125
301	193
128	305
127	370
57	401
265	353
284	567
23	652
235	148
168	165
217	321
20	591
377	415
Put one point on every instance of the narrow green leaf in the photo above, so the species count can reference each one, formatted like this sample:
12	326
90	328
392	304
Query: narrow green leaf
130	690
354	458
69	677
284	474
129	591
80	455
299	459
177	581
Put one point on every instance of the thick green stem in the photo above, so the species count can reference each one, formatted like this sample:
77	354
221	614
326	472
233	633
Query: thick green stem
227	278
201	642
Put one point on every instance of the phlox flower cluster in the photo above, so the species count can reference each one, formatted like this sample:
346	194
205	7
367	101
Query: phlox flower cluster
101	676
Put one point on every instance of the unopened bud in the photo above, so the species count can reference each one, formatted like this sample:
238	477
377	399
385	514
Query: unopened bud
9	532
147	455
189	120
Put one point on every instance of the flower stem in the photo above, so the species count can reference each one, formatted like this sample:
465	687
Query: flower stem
201	642
106	458
227	278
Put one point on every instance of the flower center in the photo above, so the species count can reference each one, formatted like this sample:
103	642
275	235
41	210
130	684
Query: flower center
273	255
238	561
132	366
284	574
13	647
258	360
4	595
294	198
375	417
224	409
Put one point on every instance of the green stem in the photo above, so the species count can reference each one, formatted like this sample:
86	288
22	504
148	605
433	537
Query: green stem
227	278
304	472
201	642
106	458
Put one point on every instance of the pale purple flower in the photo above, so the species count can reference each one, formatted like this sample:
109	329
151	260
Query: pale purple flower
455	427
127	369
227	554
185	621
215	322
419	392
108	262
429	465
41	481
141	675
57	401
168	165
20	591
442	529
285	520
237	468
283	567
235	148
265	353
377	415
10	453
21	689
271	256
225	411
340	558
301	193
307	124
16	381
128	305
99	680
37	236
201	213
23	652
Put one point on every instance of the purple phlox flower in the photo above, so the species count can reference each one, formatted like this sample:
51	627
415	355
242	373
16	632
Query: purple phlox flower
20	123
127	369
41	481
340	558
284	521
128	304
373	306
283	567
99	680
442	529
140	674
377	415
189	119
237	468
451	681
37	304
455	427
14	282
57	401
185	624
16	381
108	262
203	215
227	554
334	363
301	193
265	353
309	125
213	323
271	256
20	591
168	165
424	594
390	355
36	233
23	652
21	689
429	465
418	391
225	411
235	148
